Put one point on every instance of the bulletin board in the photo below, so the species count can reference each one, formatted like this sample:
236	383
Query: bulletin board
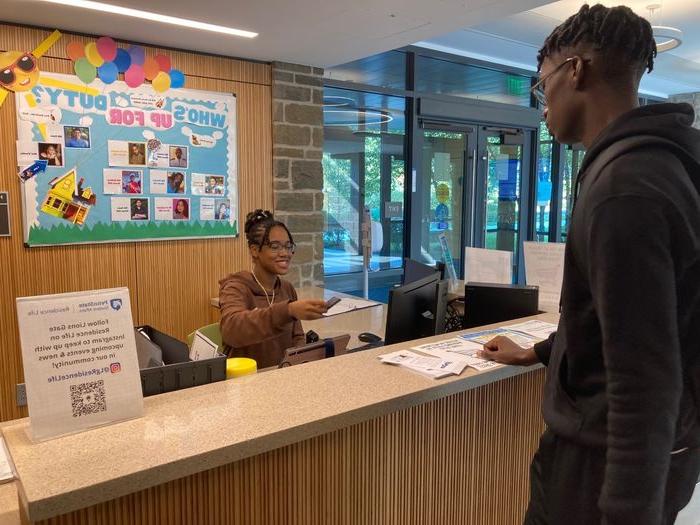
110	163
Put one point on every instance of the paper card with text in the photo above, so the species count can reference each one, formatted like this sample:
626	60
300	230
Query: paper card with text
80	363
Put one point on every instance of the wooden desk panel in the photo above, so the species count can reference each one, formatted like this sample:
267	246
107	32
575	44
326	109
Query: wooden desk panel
462	459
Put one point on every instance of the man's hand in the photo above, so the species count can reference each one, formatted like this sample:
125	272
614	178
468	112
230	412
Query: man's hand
503	350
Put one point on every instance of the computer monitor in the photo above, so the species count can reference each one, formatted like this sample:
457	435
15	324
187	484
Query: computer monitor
413	270
416	310
486	303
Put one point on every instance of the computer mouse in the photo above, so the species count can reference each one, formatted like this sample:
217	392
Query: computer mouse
368	337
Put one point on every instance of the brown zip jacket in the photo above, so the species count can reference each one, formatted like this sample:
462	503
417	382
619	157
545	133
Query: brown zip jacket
250	327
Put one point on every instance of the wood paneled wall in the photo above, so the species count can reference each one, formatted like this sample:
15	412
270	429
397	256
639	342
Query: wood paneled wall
460	460
170	282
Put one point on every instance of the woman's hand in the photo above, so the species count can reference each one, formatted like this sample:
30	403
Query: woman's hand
307	310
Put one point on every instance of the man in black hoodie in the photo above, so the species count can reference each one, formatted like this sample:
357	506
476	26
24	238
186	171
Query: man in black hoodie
623	380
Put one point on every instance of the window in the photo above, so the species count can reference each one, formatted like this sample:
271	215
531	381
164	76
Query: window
363	167
386	70
434	75
543	191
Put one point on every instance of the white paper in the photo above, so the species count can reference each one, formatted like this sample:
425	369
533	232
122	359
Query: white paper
208	184
348	305
159	182
519	338
206	209
6	469
27	153
453	346
121	210
79	358
111	182
538	329
54	133
459	349
125	153
488	266
544	267
163	209
202	347
159	158
430	366
197	184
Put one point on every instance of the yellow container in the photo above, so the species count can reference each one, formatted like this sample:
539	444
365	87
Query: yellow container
240	366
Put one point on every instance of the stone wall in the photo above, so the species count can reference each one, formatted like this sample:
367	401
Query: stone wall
694	100
297	98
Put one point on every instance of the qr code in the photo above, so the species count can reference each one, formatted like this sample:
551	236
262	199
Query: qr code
88	398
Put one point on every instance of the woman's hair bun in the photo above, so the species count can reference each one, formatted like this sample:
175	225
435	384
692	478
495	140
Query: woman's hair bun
256	216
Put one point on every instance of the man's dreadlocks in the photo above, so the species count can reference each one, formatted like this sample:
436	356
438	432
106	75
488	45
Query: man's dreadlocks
616	32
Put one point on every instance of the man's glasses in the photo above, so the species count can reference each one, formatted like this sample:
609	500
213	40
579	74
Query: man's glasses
277	247
538	89
26	63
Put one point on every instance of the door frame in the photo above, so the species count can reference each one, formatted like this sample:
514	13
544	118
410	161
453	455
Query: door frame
474	189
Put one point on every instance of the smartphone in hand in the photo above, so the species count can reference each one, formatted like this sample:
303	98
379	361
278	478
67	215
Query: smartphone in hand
332	302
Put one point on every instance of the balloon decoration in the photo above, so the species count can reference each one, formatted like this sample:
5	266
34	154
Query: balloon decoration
104	60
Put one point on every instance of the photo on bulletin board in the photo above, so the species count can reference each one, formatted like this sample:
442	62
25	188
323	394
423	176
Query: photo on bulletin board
126	164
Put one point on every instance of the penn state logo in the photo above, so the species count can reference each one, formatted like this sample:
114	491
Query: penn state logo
116	304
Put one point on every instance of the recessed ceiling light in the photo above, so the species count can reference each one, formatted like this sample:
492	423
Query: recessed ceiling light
154	17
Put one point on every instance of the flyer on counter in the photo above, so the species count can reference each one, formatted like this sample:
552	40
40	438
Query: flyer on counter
519	338
80	363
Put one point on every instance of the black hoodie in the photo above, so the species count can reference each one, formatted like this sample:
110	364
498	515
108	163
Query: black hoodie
619	365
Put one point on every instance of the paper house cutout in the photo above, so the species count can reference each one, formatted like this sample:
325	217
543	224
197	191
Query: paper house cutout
68	200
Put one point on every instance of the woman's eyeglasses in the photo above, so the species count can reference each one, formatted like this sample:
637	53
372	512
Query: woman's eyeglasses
277	247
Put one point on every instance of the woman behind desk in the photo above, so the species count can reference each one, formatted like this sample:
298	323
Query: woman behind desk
260	313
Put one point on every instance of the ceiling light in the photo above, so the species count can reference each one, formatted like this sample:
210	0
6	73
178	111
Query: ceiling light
355	117
666	37
334	101
153	17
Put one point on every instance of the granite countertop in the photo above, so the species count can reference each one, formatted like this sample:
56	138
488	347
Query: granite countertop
201	428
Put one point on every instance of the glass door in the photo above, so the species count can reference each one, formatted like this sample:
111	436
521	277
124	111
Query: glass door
446	191
503	160
469	188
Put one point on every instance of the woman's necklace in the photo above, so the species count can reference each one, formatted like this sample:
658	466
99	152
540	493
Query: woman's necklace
267	297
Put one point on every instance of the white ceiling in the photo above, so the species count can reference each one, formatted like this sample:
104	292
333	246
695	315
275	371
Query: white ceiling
515	40
316	32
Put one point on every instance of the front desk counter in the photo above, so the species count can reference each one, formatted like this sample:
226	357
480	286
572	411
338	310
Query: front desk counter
346	440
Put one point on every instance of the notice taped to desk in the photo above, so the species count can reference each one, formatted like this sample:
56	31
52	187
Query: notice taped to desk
79	357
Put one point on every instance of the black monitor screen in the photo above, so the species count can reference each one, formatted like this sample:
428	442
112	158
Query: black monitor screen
413	270
486	303
416	310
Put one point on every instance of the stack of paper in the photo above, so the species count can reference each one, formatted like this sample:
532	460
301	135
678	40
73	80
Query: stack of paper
484	336
537	329
434	367
459	349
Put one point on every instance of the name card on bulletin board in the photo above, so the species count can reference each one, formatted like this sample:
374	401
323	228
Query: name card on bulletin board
80	363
